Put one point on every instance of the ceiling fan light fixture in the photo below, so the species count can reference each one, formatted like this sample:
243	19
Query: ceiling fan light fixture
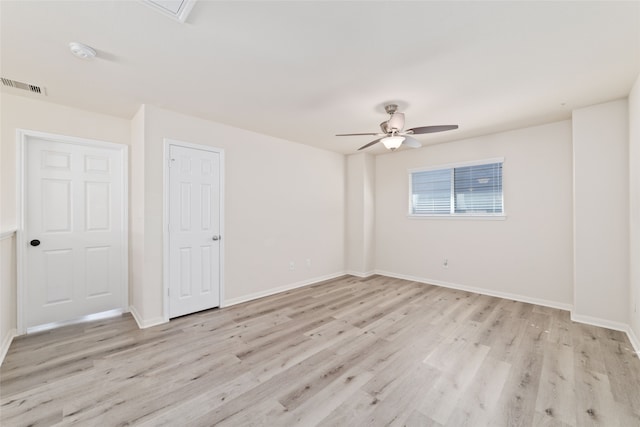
392	142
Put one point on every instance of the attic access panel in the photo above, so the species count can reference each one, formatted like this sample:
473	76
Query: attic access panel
176	9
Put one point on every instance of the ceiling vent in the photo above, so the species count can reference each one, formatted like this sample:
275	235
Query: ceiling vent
24	86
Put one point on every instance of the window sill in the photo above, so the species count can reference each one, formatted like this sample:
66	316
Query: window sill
461	217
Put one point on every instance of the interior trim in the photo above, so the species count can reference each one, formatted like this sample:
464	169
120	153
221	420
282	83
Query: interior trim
6	343
482	291
7	233
280	289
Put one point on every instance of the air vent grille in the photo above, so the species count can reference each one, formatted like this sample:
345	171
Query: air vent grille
24	86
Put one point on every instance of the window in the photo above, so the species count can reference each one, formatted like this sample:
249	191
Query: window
470	189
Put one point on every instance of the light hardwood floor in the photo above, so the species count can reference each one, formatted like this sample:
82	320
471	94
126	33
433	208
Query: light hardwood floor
349	352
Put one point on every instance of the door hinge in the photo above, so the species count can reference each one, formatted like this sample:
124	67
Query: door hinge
170	162
168	292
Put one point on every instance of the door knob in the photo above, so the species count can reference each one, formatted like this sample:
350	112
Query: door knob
216	237
34	242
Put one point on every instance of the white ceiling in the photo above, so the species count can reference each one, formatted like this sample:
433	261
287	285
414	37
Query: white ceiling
305	71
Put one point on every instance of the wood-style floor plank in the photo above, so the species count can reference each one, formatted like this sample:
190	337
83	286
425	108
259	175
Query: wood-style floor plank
364	352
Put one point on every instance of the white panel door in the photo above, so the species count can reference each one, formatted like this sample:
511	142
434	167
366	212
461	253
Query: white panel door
73	226
194	230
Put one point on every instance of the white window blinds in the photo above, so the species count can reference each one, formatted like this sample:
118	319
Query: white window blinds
431	192
459	190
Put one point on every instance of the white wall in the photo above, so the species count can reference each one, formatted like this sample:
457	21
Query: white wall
368	217
137	215
7	292
526	256
298	191
24	113
634	211
360	214
283	202
601	213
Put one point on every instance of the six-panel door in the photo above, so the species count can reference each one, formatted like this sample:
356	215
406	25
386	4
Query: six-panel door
74	203
194	230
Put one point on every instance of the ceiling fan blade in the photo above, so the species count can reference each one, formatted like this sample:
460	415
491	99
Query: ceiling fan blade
431	129
411	142
357	134
369	144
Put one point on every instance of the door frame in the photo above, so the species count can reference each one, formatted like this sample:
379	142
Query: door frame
22	137
167	143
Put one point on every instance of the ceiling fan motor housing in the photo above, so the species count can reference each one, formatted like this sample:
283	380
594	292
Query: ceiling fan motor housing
396	121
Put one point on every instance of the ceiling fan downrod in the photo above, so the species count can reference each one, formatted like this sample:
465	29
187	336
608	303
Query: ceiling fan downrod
391	108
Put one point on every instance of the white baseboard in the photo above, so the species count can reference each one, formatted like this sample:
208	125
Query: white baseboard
616	326
596	321
360	274
483	291
6	343
273	291
145	323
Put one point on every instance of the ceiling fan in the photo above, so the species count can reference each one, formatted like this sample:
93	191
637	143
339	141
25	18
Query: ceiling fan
392	135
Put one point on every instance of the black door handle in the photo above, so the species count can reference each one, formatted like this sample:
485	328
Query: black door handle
34	242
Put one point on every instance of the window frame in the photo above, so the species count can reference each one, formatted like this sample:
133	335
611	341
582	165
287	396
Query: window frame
452	214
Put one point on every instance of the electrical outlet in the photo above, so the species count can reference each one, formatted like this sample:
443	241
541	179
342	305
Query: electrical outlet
308	262
445	263
292	265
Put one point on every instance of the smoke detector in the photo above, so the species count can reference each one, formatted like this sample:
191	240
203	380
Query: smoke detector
82	51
